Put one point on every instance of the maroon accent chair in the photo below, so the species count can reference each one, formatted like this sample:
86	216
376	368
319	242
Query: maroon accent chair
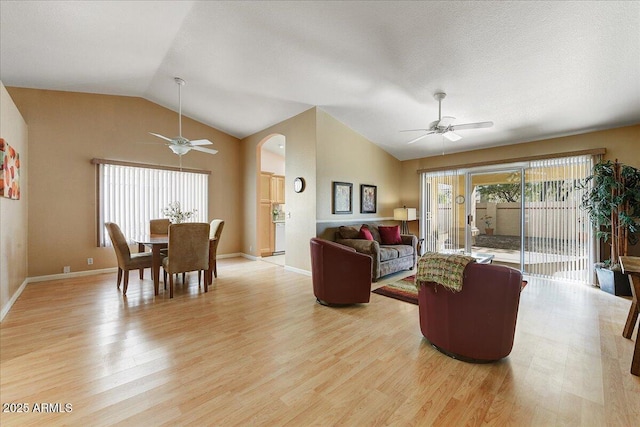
478	323
340	275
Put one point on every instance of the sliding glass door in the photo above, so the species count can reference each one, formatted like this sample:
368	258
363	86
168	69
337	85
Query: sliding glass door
527	215
494	221
558	241
442	224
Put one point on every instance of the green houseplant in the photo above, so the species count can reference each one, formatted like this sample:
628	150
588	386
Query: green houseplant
612	201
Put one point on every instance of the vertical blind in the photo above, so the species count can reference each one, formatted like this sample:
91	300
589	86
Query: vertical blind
440	216
558	239
557	230
131	196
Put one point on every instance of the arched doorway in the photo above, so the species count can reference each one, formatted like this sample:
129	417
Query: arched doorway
271	239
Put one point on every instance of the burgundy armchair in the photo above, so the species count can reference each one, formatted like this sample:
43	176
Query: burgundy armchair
478	323
340	275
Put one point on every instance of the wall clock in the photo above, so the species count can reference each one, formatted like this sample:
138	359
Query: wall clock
460	199
298	185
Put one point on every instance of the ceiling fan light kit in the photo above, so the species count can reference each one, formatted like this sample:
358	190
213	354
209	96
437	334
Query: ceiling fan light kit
444	125
181	145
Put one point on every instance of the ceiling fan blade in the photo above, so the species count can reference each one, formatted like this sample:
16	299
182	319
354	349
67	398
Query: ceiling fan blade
160	136
452	136
419	138
204	150
200	142
415	130
472	126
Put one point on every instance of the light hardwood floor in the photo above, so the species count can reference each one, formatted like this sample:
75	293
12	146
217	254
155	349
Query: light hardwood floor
258	350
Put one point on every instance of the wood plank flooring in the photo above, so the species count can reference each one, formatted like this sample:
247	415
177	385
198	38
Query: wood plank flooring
257	350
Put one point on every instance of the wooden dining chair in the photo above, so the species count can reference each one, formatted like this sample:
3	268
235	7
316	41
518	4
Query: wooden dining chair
215	232
126	260
188	251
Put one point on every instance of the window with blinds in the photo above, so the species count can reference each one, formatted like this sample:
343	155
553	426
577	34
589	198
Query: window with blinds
131	196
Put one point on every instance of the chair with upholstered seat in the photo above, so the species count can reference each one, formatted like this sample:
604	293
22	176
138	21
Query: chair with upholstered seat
215	232
126	260
478	323
340	275
159	226
188	251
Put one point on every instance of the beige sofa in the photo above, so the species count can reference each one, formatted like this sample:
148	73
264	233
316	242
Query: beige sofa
387	259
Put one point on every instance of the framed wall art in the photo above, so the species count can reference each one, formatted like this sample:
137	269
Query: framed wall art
9	171
342	198
368	198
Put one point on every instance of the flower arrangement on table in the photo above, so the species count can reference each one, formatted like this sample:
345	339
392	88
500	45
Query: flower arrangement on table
175	213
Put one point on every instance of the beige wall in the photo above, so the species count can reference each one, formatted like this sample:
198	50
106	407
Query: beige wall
67	130
345	155
620	143
300	160
320	149
13	213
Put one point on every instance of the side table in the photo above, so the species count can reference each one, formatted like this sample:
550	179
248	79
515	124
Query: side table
631	266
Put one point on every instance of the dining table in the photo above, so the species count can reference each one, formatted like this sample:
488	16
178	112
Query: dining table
156	242
631	266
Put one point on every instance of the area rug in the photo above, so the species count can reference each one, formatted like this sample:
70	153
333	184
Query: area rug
404	290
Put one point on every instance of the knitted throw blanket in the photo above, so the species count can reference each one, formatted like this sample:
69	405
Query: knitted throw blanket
445	269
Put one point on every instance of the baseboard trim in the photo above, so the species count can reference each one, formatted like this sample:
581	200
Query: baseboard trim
297	270
13	299
71	275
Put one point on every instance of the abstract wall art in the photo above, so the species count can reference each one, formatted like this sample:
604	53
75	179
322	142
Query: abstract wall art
9	171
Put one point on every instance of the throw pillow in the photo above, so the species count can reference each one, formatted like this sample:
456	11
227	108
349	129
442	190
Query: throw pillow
374	232
349	232
390	235
365	233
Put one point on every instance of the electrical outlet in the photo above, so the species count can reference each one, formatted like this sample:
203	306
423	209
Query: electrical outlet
66	269
250	248
89	261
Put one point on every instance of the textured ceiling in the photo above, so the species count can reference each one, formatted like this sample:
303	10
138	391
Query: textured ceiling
536	69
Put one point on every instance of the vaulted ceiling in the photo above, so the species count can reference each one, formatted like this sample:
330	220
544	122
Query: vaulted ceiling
536	69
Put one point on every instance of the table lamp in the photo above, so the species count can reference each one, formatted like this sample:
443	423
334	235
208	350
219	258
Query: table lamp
404	214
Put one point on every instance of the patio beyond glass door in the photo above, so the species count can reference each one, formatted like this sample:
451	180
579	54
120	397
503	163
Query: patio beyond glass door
527	215
494	221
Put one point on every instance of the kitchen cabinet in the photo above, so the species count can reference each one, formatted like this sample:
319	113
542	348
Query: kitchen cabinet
266	230
278	189
271	193
265	187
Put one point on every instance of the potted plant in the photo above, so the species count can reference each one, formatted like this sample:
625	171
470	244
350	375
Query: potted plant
612	201
487	224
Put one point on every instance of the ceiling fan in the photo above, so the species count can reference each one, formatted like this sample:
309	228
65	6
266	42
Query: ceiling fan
179	144
444	126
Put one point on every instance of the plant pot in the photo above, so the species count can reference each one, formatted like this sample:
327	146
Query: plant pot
488	231
613	282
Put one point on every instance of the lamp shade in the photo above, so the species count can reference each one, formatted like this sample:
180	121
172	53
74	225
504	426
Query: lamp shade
404	214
